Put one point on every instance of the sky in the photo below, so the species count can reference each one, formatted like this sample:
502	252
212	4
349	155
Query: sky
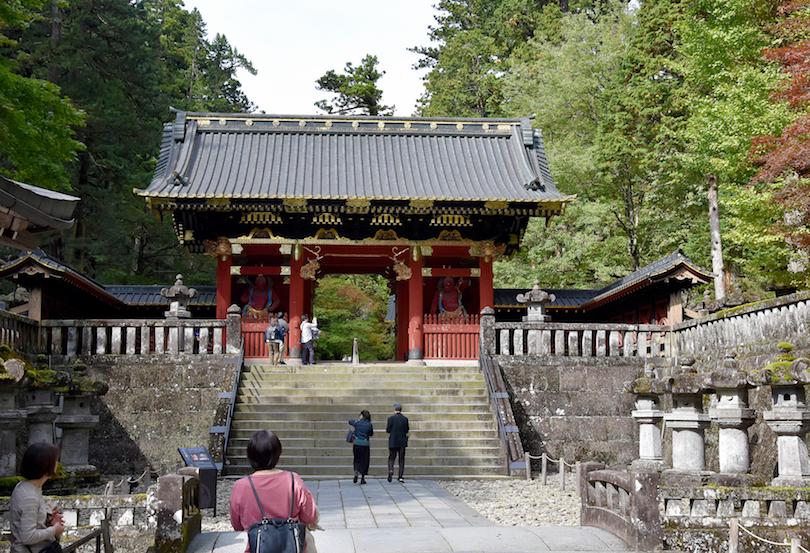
292	43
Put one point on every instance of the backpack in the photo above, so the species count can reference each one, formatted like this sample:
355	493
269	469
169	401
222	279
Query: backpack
274	333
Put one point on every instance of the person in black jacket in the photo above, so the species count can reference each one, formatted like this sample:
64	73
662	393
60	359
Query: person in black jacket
397	441
363	430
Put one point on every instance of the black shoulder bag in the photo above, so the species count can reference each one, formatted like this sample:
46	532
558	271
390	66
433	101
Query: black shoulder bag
276	535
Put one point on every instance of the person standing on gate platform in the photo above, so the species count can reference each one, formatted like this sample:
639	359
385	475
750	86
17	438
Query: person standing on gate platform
308	331
397	429
282	322
274	338
361	446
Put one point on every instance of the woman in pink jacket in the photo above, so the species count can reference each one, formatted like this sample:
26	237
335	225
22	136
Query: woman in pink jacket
273	487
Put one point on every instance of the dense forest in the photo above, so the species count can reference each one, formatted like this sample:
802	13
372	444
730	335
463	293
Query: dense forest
641	105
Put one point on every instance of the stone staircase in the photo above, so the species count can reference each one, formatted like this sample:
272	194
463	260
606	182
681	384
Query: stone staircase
453	429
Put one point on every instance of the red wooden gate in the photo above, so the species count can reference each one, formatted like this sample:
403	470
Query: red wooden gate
451	337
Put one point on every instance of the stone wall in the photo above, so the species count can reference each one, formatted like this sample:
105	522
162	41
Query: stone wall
155	404
574	407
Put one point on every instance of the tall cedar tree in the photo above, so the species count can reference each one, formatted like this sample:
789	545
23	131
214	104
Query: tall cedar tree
36	123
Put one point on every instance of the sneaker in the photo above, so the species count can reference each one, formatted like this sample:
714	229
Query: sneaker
390	476
401	480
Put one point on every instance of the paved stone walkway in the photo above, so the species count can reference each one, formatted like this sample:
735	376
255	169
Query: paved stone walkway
418	516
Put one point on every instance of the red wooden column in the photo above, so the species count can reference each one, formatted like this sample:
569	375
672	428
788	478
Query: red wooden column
486	291
403	316
296	301
223	285
415	308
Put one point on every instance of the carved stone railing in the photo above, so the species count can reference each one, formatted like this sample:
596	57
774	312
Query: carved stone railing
17	332
140	336
580	340
747	326
623	503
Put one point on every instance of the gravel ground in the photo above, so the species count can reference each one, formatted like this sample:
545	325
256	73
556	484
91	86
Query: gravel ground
505	502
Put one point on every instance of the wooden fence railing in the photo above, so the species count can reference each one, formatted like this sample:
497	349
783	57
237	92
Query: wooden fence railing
451	337
19	333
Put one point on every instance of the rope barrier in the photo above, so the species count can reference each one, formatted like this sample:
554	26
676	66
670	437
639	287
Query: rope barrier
795	544
544	470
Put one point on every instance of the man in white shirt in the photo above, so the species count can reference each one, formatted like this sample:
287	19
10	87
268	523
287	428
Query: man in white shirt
307	348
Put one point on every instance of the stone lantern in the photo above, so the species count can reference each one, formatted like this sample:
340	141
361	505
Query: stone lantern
789	418
40	402
178	296
648	415
12	418
76	421
687	419
536	300
732	415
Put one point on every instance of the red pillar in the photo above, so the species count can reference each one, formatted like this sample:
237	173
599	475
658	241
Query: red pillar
223	285
485	287
296	301
403	316
415	308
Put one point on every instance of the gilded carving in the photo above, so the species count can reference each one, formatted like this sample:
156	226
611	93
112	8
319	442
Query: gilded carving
427	251
327	219
475	272
236	270
488	248
450	236
385	235
496	204
257	233
403	271
421	204
285	270
236	248
324	234
219	247
386	219
285	249
295	205
358	202
310	270
218	202
427	271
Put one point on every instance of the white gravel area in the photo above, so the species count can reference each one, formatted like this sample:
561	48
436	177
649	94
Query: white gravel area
506	502
520	502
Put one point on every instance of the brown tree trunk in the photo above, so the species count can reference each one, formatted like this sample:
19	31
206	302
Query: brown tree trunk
56	38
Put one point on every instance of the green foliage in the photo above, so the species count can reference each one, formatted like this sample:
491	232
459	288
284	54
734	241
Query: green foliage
36	122
353	306
356	90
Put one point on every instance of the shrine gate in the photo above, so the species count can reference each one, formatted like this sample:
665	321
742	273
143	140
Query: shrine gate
413	199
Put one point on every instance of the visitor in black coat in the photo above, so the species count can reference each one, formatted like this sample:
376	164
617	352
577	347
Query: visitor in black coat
397	441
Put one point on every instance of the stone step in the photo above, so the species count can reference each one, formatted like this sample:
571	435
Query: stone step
354	377
353	396
366	385
279	415
377	471
362	369
380	411
376	459
416	446
341	426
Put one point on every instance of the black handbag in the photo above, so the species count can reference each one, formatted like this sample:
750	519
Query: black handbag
276	535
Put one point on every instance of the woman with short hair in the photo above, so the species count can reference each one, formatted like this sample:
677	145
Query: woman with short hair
33	525
273	487
363	430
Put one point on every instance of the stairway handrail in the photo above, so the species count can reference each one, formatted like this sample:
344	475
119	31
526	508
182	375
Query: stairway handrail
232	402
499	398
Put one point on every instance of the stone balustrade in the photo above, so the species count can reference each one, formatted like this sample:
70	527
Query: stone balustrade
580	340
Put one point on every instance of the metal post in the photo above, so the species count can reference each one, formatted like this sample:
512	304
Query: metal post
544	470
733	536
562	473
528	459
795	545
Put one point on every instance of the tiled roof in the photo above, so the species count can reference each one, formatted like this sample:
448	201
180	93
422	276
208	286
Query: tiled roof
41	207
263	156
149	295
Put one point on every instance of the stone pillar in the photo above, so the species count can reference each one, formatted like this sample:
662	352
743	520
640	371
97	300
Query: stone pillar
789	421
233	330
12	419
648	415
732	416
687	419
487	332
42	412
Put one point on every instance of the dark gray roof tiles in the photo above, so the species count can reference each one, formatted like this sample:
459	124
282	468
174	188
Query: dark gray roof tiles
263	157
149	295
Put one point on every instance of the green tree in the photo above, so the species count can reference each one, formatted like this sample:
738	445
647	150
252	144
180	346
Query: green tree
353	306
355	91
36	123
